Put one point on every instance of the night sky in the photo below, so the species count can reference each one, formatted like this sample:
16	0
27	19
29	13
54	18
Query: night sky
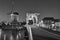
49	8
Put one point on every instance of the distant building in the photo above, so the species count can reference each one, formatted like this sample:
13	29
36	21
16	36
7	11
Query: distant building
41	24
57	22
48	21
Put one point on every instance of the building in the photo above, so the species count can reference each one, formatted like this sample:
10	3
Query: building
41	24
48	21
57	24
15	30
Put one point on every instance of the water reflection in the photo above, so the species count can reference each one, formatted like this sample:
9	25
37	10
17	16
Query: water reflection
11	35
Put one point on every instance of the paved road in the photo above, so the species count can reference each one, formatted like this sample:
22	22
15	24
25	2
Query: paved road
42	34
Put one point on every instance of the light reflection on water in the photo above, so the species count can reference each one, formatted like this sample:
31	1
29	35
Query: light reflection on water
11	37
6	35
0	33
